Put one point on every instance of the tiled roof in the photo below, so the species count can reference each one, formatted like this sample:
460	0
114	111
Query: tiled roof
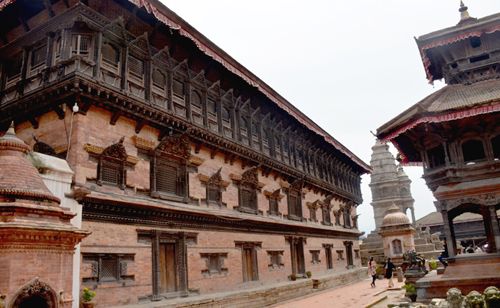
18	177
435	218
449	99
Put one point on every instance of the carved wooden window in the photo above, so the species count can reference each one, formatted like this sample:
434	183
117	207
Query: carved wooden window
275	259
110	55
312	214
178	88
274	199
103	268
247	191
169	168
473	150
136	67
328	255
214	264
327	219
81	44
244	130
347	216
38	56
273	207
57	48
111	166
495	145
213	124
215	187
226	122
196	107
295	200
159	79
13	67
266	140
397	248
436	156
170	177
277	147
315	259
211	106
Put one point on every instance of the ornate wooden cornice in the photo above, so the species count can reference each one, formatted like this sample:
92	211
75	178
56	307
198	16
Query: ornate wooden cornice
116	212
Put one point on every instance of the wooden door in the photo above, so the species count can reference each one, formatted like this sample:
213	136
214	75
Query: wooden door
329	259
168	268
249	266
300	258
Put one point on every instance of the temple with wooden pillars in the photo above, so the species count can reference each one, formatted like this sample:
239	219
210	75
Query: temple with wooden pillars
194	175
454	134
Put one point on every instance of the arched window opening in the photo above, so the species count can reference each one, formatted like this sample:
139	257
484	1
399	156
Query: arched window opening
159	79
436	156
110	55
397	248
111	166
473	151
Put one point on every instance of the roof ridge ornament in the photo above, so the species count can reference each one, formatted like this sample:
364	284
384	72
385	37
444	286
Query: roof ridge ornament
464	13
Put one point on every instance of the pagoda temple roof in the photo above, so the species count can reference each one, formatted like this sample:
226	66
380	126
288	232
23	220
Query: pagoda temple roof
450	103
465	29
175	22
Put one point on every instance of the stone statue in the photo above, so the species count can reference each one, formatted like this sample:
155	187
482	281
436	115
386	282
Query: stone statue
414	261
492	297
474	300
454	298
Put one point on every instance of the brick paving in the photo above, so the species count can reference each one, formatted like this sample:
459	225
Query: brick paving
355	295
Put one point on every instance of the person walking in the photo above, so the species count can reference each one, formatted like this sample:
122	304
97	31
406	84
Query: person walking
389	267
372	270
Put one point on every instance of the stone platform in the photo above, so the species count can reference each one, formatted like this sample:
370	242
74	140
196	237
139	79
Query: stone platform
467	272
265	295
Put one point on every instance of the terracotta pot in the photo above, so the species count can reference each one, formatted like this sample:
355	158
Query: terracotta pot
88	304
413	297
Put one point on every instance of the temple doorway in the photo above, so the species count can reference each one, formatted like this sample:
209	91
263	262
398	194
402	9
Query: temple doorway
36	294
35	301
297	254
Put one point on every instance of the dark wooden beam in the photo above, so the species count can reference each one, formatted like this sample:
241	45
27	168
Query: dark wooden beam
115	116
23	22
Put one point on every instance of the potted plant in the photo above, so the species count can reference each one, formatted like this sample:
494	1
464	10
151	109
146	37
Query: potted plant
308	274
411	291
293	277
433	264
87	297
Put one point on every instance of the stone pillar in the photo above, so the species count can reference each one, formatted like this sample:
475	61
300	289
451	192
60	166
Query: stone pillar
155	241
449	234
413	220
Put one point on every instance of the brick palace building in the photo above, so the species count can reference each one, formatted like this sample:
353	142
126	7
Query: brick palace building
193	175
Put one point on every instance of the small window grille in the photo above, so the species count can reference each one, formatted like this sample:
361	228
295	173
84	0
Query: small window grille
110	172
38	56
178	88
312	214
275	259
315	256
109	268
214	263
159	78
81	44
110	55
57	48
136	66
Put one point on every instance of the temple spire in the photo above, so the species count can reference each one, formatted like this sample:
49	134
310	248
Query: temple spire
464	13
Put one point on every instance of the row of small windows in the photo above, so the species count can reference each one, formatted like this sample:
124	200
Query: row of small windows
233	124
472	151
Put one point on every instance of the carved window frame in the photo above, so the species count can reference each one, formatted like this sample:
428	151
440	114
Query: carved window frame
340	254
315	256
275	259
294	200
249	184
214	184
173	151
114	157
97	261
211	259
397	247
274	202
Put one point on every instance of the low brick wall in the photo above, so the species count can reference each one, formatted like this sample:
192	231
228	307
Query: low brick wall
265	296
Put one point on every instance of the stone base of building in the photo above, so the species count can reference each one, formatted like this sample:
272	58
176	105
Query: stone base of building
265	295
465	272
